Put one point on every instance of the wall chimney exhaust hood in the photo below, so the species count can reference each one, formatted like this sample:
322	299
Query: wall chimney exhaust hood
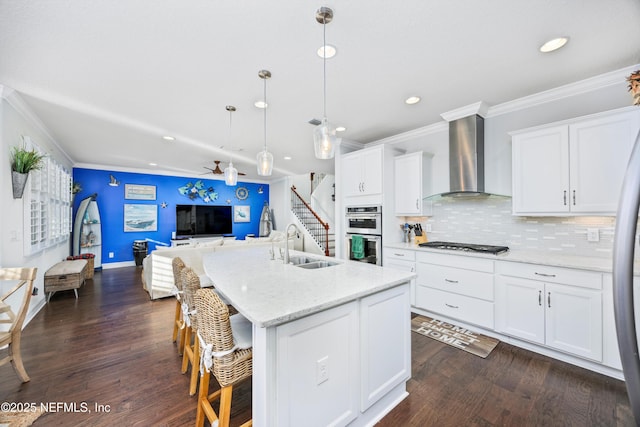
466	150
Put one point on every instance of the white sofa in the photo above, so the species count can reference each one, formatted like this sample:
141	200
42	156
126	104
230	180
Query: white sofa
157	270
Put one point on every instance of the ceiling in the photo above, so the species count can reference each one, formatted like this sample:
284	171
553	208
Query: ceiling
109	79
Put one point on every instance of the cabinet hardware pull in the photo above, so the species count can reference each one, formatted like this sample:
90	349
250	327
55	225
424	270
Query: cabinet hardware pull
451	306
363	187
539	297
564	197
416	203
398	254
574	197
450	281
544	274
549	299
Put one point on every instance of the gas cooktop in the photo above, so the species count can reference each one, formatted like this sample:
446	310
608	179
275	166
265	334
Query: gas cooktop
471	247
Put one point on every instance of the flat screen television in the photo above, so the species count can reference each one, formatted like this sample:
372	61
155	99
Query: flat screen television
203	220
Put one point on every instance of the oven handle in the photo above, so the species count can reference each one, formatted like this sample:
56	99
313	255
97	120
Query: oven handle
363	216
365	236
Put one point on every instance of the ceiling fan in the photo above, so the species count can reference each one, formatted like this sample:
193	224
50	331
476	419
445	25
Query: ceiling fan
217	170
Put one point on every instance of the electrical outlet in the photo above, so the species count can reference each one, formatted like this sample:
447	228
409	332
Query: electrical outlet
111	254
593	235
427	228
322	370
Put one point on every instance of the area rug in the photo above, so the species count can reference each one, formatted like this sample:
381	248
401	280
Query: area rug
19	419
455	336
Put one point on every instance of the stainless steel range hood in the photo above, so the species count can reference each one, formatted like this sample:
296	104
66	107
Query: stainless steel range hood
466	156
466	150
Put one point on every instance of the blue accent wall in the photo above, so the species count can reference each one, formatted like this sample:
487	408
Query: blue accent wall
111	201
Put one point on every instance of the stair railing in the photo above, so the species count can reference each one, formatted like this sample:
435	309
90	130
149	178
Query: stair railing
318	229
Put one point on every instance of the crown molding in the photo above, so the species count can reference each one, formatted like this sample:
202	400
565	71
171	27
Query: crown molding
479	108
611	78
350	144
17	103
413	134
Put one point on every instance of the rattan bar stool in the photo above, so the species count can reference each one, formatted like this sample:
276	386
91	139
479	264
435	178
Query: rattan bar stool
178	324
14	316
191	350
226	351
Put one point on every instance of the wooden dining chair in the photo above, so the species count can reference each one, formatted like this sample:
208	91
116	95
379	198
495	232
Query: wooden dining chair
15	317
178	324
226	349
191	350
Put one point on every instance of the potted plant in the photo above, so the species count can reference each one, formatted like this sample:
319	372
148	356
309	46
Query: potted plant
22	162
634	86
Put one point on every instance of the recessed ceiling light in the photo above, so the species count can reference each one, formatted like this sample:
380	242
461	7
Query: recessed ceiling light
328	50
261	104
287	157
168	138
412	100
554	44
153	164
341	129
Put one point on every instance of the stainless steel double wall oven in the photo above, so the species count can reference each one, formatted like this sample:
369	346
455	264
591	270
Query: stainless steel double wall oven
365	221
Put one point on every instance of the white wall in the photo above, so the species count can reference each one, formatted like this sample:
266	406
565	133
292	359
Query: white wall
17	120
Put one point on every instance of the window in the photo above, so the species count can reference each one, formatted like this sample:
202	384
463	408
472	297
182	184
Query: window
47	205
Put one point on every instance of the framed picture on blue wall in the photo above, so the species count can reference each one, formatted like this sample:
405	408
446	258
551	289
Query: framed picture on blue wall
139	192
242	213
140	217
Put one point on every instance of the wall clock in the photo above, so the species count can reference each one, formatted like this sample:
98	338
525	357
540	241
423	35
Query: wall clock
242	193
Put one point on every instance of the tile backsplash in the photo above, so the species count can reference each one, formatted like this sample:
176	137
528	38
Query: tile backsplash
488	220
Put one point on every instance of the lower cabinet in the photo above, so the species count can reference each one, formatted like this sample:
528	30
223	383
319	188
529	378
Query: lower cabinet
556	307
401	259
456	286
345	365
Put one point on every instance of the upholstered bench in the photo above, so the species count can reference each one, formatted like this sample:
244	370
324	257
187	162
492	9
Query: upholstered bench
65	275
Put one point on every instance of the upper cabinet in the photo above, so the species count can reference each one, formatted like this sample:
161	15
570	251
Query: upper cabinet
363	172
412	184
573	168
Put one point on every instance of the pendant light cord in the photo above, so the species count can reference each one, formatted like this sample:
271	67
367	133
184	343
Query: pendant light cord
230	140
324	65
265	113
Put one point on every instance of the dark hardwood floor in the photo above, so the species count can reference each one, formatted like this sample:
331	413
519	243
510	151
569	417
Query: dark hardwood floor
112	347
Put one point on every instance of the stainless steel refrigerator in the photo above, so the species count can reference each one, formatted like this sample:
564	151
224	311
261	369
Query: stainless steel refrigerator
623	257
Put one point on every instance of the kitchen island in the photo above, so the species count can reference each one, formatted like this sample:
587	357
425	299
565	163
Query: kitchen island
331	346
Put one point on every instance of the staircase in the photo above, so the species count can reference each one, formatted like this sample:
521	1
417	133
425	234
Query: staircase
317	228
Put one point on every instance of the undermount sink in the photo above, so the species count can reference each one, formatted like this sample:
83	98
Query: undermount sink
317	264
310	263
297	260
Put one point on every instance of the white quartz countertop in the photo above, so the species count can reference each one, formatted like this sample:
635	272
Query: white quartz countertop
269	293
555	259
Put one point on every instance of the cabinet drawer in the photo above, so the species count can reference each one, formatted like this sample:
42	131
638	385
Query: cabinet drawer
565	276
460	307
456	280
457	261
400	254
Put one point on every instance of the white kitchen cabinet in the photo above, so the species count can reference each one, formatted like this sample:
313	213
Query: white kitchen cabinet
556	307
362	172
456	286
341	366
402	259
575	167
385	328
412	184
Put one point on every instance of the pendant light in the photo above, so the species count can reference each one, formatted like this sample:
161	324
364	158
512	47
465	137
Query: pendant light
324	135
230	173
265	158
